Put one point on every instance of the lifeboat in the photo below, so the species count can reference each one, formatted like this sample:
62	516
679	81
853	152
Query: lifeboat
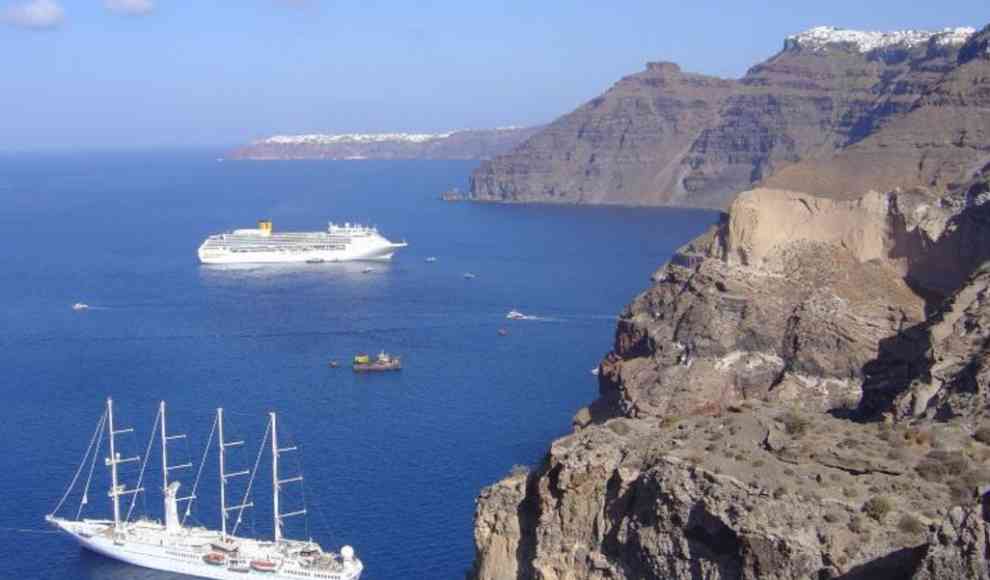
263	565
215	558
239	566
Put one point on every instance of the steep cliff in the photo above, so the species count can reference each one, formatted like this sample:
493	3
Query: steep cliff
665	137
802	393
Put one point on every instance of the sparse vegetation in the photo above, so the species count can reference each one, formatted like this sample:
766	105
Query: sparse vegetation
857	525
669	421
877	508
795	423
911	525
780	492
832	517
758	463
942	466
850	492
519	469
983	434
620	428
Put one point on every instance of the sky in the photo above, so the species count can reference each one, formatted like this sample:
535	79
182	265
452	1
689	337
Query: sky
171	73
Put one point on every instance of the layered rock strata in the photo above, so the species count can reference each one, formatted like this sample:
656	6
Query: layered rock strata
899	109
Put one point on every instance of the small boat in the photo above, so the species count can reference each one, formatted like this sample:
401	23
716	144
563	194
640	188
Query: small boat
80	306
431	259
383	362
367	270
594	371
263	565
469	276
503	332
515	315
333	364
315	261
215	558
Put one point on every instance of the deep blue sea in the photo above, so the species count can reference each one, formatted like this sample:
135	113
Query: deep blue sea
392	462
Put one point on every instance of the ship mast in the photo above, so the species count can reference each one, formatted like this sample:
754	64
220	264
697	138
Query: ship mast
277	483
278	522
116	489
165	466
224	476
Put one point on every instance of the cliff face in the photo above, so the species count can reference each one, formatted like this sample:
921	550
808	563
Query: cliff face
468	144
802	393
664	137
627	146
722	446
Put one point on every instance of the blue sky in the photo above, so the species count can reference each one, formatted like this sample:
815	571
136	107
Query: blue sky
141	73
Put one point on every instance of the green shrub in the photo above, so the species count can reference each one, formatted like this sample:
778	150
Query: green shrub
850	492
780	492
983	434
878	507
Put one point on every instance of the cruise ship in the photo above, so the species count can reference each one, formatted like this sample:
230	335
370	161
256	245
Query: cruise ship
173	546
262	245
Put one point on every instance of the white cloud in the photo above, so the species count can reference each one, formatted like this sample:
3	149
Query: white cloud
36	14
133	7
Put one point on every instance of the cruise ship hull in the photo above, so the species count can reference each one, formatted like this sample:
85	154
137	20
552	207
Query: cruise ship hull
375	253
158	551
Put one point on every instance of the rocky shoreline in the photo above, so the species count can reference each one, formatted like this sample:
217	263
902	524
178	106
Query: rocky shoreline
803	392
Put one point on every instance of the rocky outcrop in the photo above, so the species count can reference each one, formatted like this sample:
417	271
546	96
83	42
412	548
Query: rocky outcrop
959	548
799	394
898	109
467	144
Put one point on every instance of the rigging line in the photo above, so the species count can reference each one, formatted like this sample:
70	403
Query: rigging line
92	465
144	464
247	492
199	472
99	427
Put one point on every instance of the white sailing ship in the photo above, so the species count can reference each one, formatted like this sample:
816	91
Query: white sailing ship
263	245
197	551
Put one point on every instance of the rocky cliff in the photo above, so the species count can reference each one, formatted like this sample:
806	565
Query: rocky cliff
803	392
666	137
467	144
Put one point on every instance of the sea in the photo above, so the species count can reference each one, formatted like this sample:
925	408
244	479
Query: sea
391	462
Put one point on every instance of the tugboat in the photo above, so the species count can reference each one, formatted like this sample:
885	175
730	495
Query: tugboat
383	362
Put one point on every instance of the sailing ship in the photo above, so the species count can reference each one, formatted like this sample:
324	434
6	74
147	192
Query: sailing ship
197	551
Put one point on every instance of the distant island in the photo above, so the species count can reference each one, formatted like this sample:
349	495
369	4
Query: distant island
465	144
